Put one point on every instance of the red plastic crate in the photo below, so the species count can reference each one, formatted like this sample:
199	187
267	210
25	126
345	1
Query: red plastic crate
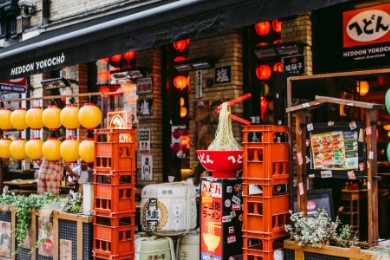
100	256
265	161
264	215
268	190
113	199
260	247
115	135
125	177
122	159
265	133
121	219
113	241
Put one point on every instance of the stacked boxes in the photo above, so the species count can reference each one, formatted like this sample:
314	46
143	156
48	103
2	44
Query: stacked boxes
265	190
114	194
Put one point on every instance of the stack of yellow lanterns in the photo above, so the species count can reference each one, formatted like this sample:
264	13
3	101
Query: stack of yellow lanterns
89	116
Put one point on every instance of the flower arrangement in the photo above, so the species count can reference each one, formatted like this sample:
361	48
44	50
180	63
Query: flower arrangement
319	230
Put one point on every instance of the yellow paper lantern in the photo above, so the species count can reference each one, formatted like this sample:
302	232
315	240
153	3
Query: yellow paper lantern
5	119
51	149
51	117
17	149
5	144
34	118
70	149
18	119
33	149
69	116
87	150
90	116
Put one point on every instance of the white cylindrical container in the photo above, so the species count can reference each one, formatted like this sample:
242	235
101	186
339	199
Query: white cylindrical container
88	198
153	247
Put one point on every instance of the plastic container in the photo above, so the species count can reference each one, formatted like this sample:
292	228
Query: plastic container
113	240
113	199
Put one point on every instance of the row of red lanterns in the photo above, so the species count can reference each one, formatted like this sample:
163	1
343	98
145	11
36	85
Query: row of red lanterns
53	149
264	71
264	28
89	116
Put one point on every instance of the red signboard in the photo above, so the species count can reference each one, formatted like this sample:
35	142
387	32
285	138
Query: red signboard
366	26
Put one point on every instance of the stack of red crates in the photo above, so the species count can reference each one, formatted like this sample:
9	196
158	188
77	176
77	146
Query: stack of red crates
114	194
265	190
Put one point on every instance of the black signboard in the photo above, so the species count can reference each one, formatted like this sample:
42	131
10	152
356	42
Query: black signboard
294	65
223	75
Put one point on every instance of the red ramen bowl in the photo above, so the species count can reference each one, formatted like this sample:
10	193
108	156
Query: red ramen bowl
222	164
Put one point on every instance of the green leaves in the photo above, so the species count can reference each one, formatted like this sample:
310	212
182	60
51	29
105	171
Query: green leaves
319	230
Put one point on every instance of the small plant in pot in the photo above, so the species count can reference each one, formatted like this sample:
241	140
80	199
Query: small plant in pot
319	230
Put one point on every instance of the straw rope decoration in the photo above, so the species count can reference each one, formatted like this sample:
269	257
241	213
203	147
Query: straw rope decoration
224	138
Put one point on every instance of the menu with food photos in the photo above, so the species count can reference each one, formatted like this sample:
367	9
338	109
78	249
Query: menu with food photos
337	150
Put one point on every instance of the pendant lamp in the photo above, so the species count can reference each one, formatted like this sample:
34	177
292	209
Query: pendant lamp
90	116
69	117
70	149
51	117
87	150
33	149
17	149
34	118
51	149
18	119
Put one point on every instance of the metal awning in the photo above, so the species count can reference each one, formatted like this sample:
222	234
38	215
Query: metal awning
141	29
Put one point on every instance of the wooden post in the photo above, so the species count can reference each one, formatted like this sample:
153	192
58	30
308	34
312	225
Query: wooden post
372	182
301	162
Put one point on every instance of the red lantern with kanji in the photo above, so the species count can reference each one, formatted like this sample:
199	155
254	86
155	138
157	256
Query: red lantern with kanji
263	28
277	25
181	45
180	82
129	55
263	72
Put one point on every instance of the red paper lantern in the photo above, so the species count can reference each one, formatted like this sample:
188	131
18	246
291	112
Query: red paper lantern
179	59
262	44
277	67
180	82
278	41
263	106
181	45
129	55
263	72
104	75
105	90
116	58
263	28
277	25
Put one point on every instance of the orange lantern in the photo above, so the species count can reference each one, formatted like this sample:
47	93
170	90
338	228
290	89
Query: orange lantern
87	150
33	149
263	106
263	28
116	58
129	55
179	59
104	75
18	119
5	144
362	87
5	119
34	118
277	67
69	117
17	149
181	45
90	116
277	25
263	72
51	117
70	149
262	44
105	90
183	112
180	82
51	149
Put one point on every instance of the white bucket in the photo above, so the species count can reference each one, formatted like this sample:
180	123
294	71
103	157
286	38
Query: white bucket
88	198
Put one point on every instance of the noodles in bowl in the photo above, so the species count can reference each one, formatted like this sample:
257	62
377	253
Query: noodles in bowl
223	158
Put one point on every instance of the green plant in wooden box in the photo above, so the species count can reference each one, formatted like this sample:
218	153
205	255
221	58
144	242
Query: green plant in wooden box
319	230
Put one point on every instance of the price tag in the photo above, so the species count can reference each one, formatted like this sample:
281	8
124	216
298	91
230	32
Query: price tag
300	187
351	175
368	130
300	159
310	127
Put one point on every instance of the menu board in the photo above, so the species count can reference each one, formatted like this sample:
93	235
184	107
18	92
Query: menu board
336	150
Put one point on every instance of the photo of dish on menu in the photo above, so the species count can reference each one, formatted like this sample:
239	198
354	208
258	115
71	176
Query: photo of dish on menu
335	150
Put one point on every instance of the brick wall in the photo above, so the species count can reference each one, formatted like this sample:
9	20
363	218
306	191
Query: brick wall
299	29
